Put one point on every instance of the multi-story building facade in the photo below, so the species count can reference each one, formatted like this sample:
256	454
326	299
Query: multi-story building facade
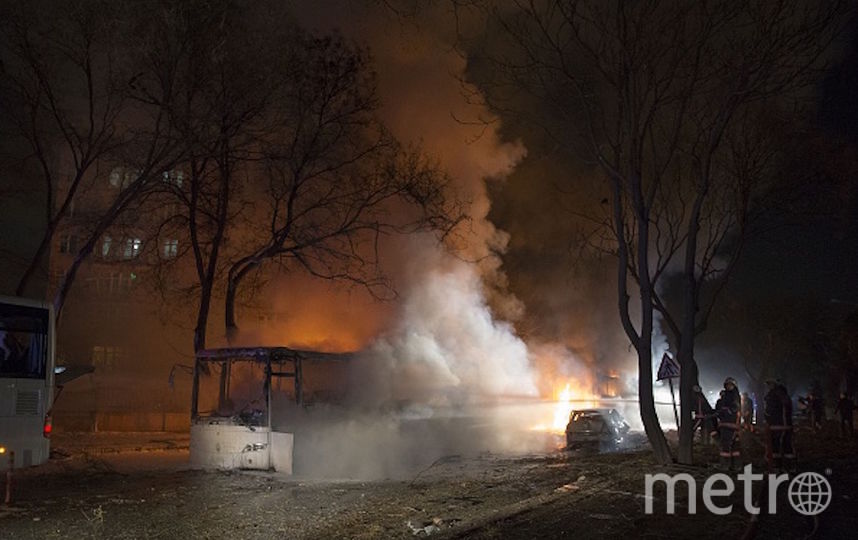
114	318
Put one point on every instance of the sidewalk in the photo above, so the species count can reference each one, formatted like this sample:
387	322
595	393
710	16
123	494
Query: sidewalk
81	443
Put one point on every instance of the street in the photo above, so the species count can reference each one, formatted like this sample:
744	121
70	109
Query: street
151	493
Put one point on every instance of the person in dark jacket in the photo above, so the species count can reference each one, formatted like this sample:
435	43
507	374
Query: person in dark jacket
778	414
845	408
747	412
704	416
728	410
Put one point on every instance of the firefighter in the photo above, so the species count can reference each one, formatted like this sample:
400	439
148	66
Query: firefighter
778	413
845	407
704	415
728	411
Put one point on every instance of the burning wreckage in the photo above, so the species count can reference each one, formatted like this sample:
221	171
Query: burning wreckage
245	400
235	397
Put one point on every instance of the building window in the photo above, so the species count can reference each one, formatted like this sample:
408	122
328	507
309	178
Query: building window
115	283
105	247
171	248
132	248
121	177
174	176
115	177
69	243
106	356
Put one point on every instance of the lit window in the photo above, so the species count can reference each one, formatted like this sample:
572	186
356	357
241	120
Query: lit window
171	248
132	248
173	176
121	177
116	176
105	247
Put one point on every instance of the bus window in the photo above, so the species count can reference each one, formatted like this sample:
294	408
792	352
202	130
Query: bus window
23	341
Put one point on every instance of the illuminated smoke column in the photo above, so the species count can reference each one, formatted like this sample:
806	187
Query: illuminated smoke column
447	348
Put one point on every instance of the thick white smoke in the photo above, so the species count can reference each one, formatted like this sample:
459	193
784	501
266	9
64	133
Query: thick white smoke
446	347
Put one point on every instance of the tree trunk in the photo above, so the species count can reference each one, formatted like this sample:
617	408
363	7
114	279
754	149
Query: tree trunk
202	318
649	417
236	274
687	380
229	311
642	342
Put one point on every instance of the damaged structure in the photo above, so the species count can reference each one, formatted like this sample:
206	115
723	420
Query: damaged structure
235	396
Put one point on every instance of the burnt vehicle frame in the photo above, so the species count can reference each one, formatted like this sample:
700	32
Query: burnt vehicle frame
602	429
243	437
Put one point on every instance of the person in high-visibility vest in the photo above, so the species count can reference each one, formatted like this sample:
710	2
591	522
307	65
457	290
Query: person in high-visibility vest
728	410
778	413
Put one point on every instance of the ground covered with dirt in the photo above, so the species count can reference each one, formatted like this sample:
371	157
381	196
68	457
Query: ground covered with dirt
152	494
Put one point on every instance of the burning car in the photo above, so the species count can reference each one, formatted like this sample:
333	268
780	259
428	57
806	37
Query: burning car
603	429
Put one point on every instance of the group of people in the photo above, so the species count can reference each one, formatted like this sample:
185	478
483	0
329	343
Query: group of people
815	406
734	412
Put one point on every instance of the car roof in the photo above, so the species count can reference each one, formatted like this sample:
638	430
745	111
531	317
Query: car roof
593	411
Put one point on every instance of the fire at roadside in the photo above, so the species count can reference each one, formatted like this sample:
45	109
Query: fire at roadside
278	408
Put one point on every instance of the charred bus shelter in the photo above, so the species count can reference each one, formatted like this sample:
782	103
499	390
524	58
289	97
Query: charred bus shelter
236	393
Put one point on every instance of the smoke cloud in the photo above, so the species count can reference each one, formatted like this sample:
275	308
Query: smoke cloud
446	347
442	370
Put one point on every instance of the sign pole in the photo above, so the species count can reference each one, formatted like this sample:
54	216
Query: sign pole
673	398
669	369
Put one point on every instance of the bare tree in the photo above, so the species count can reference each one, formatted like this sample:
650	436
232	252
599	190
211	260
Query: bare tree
223	71
335	177
59	96
66	92
655	94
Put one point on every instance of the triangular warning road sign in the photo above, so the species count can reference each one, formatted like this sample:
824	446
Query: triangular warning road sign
668	369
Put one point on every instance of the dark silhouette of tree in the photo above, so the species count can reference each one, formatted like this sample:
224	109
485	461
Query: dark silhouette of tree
64	93
335	178
663	98
286	161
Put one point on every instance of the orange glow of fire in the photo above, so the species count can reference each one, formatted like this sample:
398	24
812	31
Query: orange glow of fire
573	395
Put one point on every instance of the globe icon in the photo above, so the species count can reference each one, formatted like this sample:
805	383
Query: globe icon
809	493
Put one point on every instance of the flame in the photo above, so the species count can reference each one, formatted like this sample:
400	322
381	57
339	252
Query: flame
562	409
573	395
